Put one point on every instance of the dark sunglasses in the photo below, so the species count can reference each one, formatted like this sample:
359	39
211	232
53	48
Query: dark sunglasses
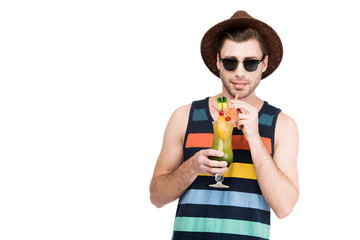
250	65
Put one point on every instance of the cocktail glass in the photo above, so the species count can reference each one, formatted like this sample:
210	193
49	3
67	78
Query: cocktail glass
225	146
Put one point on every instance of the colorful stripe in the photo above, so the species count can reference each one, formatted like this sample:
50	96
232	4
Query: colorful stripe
224	198
239	170
240	142
228	212
266	119
236	184
199	115
204	140
227	226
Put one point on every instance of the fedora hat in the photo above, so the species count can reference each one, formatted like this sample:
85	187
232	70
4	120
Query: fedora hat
241	20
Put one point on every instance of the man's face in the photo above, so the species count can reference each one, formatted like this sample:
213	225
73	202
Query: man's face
240	81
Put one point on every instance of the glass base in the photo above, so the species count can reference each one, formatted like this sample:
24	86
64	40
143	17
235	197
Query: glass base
219	178
218	185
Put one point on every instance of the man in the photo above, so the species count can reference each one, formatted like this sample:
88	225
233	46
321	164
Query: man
241	51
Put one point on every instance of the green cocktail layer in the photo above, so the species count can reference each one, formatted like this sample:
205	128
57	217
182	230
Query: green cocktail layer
223	145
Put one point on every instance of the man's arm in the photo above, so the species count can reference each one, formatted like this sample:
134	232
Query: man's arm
172	176
277	176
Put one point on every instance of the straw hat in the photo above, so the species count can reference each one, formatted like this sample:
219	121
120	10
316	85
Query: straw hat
241	20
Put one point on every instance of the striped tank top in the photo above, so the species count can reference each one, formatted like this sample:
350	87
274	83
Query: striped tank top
239	212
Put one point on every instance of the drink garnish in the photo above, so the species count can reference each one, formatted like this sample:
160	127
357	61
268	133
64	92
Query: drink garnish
225	115
222	103
229	113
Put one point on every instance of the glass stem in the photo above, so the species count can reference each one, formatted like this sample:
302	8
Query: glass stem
219	177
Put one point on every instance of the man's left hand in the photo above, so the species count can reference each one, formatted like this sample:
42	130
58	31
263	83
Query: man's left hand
247	119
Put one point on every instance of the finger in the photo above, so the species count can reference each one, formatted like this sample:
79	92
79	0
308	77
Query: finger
239	107
242	116
240	124
213	153
214	171
232	101
243	106
216	164
235	106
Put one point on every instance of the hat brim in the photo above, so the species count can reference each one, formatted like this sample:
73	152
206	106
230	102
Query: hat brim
271	38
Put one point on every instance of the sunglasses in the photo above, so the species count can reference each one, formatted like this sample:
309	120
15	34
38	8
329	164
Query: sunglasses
250	65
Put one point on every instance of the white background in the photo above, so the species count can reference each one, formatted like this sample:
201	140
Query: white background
87	88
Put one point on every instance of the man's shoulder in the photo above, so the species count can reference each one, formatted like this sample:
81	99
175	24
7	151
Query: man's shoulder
286	121
285	127
180	112
179	117
286	131
185	109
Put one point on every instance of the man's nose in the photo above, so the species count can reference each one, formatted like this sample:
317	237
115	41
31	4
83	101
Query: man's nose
240	70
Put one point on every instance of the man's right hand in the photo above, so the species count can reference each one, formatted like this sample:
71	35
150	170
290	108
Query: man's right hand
203	165
172	176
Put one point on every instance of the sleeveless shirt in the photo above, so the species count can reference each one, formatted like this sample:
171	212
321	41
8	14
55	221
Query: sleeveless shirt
239	212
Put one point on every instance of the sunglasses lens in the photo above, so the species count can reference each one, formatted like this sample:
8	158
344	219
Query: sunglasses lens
251	65
230	64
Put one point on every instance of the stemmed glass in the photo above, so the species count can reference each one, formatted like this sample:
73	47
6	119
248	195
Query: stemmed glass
225	146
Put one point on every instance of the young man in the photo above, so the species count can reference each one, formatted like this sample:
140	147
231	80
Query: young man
241	51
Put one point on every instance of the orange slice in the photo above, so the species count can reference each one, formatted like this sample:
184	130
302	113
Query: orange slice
222	127
231	112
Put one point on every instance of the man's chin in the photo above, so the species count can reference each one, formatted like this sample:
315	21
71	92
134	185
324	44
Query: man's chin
240	94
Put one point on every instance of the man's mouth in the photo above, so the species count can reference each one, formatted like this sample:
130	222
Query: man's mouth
239	85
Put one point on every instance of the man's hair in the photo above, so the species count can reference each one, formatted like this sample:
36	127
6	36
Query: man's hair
242	35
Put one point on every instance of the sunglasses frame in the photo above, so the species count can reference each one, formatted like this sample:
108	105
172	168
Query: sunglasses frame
244	62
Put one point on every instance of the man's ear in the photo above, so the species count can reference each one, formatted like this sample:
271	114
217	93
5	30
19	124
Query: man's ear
218	61
265	63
